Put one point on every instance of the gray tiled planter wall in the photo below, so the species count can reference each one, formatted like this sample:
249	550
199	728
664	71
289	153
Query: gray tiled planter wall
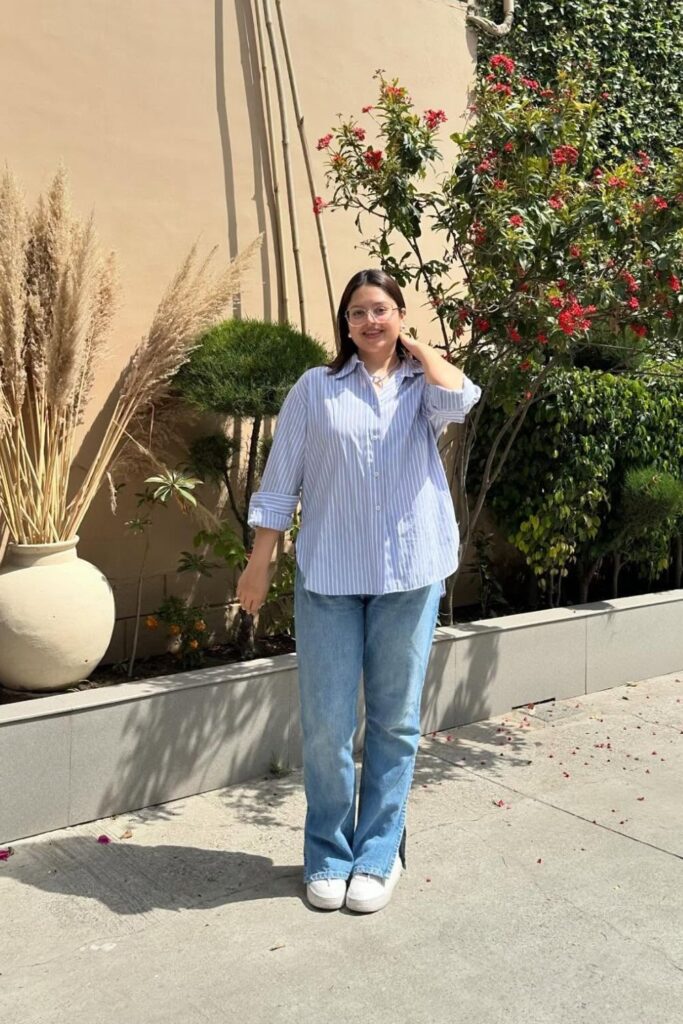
74	757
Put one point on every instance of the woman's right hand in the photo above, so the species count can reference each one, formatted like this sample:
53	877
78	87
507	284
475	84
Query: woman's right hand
252	588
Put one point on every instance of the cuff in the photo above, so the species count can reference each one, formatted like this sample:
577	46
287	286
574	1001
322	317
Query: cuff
450	403
274	511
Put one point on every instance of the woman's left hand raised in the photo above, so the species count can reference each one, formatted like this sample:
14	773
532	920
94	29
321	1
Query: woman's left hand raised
418	349
437	369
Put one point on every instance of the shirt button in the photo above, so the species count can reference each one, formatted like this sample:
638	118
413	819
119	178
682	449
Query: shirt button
377	507
376	474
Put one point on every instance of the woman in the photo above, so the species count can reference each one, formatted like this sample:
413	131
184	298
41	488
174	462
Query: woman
378	536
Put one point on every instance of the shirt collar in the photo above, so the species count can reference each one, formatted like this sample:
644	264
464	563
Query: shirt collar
408	368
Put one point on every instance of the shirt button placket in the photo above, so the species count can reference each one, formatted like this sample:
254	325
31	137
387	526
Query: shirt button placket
375	438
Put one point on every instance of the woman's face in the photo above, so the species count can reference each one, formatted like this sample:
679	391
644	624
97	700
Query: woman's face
378	333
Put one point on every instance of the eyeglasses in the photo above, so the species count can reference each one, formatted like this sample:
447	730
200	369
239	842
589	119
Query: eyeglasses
380	314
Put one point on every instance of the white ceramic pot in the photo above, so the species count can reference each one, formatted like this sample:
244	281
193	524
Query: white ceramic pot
56	616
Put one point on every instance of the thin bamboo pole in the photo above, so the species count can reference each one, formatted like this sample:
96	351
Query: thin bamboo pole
274	195
287	164
309	170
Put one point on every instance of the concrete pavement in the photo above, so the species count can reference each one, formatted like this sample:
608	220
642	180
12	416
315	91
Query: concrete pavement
544	885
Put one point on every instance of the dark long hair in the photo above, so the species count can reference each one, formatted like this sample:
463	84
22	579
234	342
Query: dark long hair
372	277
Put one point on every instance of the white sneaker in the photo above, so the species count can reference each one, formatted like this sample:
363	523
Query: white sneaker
367	893
326	893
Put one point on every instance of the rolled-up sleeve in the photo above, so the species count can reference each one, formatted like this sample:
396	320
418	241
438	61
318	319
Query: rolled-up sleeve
442	406
276	500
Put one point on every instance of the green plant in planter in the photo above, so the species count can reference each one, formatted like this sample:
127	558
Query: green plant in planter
243	369
168	484
641	526
593	474
186	630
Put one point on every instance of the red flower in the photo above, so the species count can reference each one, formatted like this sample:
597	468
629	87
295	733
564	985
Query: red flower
337	160
478	231
359	133
482	324
393	92
543	339
598	173
630	280
516	220
555	302
367	109
324	142
604	95
319	205
639	329
644	158
525	365
674	283
434	118
557	202
616	182
508	147
483	167
502	87
499	183
373	158
500	60
575	252
564	155
531	83
514	335
660	203
633	303
573	317
546	93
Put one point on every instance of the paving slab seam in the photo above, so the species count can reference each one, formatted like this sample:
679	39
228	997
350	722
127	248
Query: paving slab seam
562	810
648	721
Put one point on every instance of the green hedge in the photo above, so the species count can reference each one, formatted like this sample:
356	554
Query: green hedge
631	51
566	495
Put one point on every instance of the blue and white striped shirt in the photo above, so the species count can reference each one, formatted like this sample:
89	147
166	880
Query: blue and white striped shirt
376	512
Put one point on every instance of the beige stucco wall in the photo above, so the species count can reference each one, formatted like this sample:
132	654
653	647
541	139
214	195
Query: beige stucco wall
154	106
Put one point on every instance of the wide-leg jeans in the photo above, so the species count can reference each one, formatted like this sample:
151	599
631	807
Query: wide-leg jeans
389	638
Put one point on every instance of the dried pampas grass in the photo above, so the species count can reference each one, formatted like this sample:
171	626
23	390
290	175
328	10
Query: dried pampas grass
58	295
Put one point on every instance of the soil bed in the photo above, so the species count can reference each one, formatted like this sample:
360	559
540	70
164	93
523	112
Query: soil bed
160	665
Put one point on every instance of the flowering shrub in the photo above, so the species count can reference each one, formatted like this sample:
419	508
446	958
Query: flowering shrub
542	253
185	628
631	56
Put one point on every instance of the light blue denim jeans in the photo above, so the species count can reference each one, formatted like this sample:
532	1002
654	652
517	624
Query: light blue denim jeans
389	638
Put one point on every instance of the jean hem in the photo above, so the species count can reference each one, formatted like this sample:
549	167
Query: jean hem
318	875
